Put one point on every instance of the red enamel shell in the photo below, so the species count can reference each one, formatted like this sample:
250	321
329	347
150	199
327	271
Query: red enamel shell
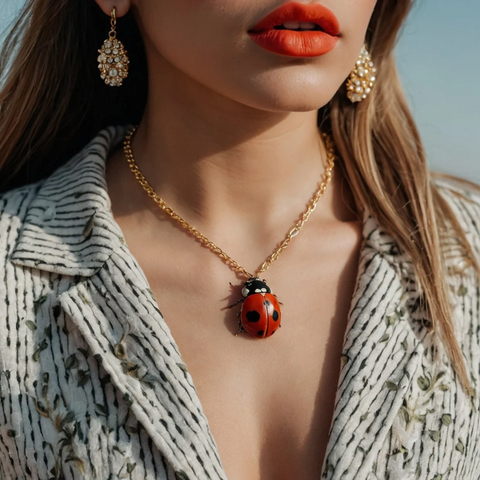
261	315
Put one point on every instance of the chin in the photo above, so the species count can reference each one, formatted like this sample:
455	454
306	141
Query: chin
283	94
306	106
292	103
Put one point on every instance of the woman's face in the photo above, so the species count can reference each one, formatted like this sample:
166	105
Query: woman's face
208	41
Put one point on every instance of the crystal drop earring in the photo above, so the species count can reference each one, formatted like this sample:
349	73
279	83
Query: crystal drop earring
113	61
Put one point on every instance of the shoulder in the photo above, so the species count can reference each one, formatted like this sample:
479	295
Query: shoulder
14	205
452	187
44	215
462	195
463	199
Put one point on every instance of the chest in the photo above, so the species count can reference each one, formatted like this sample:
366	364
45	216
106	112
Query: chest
269	402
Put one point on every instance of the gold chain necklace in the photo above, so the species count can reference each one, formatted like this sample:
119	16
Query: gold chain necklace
260	315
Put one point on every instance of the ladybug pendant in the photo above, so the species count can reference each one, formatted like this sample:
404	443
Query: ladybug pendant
260	315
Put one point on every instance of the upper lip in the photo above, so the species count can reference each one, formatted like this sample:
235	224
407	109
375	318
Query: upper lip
294	11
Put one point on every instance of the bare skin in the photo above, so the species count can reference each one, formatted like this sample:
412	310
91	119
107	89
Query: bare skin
229	139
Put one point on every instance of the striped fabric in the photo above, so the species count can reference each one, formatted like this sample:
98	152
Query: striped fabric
92	384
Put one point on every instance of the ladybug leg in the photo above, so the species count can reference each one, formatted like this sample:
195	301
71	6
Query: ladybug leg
277	299
240	327
236	303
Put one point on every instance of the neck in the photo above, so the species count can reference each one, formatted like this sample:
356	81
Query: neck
218	162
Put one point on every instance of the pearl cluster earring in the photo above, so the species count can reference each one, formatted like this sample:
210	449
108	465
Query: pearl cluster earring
362	77
113	61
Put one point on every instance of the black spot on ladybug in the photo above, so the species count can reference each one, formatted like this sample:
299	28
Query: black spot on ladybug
275	315
273	332
253	316
266	303
260	333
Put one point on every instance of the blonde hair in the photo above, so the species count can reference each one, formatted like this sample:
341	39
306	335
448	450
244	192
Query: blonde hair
52	103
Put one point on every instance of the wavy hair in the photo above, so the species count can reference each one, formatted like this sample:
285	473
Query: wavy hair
52	103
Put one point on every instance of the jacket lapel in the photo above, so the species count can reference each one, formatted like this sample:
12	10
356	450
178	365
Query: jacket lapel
119	319
381	353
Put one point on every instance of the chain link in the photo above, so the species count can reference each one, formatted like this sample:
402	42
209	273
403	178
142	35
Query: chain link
112	35
322	186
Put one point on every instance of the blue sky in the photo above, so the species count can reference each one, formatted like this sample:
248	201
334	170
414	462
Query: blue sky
439	62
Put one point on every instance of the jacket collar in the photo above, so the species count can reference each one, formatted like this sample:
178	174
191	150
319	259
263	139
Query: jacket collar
70	229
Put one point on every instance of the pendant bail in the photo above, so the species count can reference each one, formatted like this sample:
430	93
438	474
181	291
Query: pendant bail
113	23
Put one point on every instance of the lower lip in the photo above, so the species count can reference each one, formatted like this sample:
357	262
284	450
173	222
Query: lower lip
306	43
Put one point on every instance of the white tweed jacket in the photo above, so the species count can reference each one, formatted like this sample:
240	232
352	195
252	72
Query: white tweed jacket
93	386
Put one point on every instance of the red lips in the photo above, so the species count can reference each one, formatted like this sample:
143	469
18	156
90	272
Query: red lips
307	43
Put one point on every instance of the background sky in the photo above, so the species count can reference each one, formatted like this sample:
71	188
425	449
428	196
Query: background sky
438	57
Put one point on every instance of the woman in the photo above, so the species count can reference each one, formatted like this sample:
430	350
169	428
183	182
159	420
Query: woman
125	361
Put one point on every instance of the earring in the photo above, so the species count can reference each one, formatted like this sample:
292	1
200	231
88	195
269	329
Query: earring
362	77
113	61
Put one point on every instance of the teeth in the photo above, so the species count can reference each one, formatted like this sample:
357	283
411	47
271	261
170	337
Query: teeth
306	25
299	25
291	25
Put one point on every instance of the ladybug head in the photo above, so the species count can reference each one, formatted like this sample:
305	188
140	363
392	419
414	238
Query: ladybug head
255	285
